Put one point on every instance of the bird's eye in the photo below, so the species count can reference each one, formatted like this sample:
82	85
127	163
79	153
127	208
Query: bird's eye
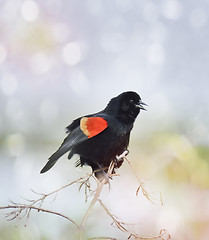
131	101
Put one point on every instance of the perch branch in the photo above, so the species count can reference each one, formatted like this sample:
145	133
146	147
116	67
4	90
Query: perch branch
23	210
100	185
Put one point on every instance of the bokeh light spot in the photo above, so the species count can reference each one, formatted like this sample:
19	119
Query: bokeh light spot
29	10
172	9
72	53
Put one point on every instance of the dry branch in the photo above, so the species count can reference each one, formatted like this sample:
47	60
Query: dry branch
20	208
23	210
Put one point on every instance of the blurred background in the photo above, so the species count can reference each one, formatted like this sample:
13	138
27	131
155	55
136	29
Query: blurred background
63	59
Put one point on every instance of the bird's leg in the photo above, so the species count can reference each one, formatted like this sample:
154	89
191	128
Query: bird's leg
107	173
101	172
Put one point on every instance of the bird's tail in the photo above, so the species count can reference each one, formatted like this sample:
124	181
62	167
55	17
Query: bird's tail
75	137
54	158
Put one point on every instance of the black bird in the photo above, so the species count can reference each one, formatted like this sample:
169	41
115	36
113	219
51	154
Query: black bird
98	138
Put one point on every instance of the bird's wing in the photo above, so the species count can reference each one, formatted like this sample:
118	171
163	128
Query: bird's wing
88	127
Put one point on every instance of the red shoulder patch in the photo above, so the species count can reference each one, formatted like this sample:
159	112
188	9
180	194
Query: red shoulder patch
91	126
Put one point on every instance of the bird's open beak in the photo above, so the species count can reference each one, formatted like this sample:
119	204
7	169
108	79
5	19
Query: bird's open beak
141	104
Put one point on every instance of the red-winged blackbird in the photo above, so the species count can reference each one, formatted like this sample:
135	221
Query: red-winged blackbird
98	138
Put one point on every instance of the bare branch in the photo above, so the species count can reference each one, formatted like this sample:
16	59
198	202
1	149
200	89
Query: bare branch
122	227
100	185
157	237
21	211
119	225
141	184
20	208
44	196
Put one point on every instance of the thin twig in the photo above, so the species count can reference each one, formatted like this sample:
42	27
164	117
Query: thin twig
119	225
159	236
141	184
27	208
23	210
44	196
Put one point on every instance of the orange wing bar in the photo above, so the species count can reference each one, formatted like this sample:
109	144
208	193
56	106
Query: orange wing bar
92	126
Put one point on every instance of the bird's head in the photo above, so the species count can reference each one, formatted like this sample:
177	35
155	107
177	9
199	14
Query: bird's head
126	106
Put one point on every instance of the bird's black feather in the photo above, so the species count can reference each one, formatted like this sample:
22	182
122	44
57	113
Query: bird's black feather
98	151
